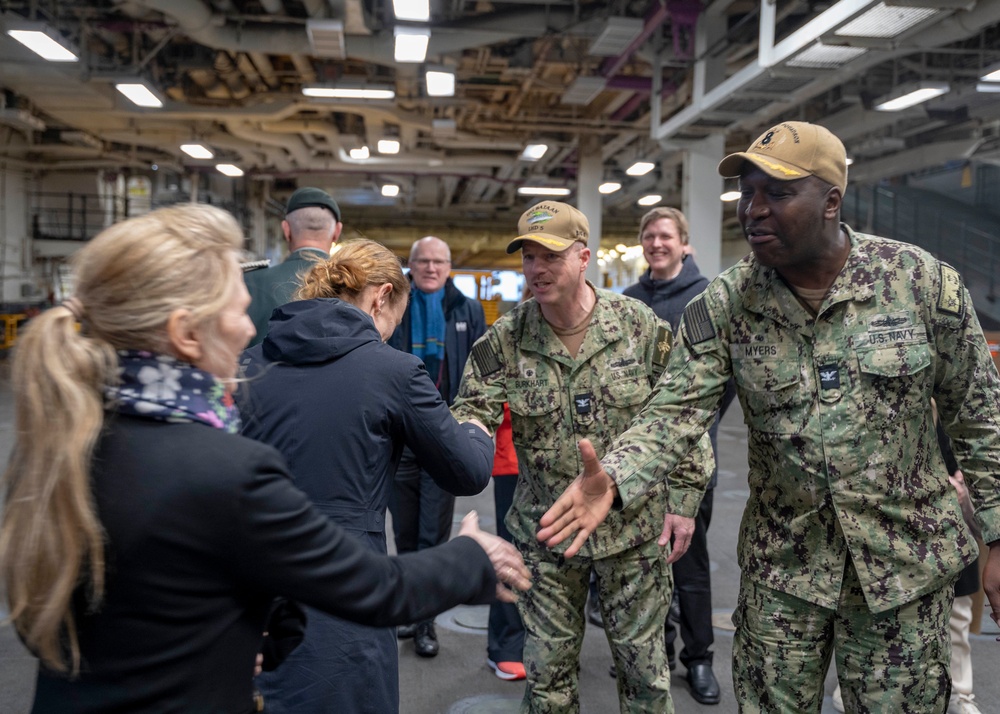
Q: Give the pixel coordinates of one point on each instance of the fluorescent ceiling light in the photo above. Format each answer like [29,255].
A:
[372,92]
[418,10]
[617,33]
[609,187]
[650,200]
[360,154]
[542,191]
[533,152]
[326,38]
[640,168]
[730,196]
[43,40]
[411,43]
[390,190]
[229,170]
[583,90]
[440,84]
[139,94]
[884,21]
[197,151]
[388,146]
[991,73]
[820,56]
[908,95]
[988,87]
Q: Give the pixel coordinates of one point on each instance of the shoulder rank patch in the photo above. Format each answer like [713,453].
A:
[951,297]
[485,357]
[697,323]
[664,343]
[255,265]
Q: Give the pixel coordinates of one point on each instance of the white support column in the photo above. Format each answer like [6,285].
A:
[588,200]
[700,201]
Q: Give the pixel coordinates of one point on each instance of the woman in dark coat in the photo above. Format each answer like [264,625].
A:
[143,542]
[328,348]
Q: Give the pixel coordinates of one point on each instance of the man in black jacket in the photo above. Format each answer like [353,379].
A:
[440,326]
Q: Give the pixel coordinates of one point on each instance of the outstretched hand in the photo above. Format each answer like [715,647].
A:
[507,562]
[582,507]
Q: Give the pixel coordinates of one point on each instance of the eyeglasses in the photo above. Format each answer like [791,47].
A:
[427,263]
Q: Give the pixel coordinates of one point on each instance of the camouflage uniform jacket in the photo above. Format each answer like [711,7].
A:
[556,400]
[842,450]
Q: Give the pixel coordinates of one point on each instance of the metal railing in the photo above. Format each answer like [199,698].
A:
[74,216]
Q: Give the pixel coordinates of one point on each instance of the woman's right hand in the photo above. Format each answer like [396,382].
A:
[507,562]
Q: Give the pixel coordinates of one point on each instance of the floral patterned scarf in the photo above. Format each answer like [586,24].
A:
[160,387]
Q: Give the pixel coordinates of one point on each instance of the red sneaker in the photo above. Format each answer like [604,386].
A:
[507,670]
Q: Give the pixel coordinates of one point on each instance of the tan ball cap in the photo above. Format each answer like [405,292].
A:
[553,224]
[793,150]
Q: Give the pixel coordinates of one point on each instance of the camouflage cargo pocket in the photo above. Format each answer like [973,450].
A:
[773,398]
[894,384]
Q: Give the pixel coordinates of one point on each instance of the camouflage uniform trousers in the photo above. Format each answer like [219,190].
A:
[635,587]
[892,661]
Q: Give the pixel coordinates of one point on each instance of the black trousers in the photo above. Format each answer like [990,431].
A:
[422,512]
[693,588]
[505,633]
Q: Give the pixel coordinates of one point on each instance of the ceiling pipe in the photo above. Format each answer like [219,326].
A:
[263,64]
[294,146]
[197,21]
[633,103]
[914,159]
[307,127]
[960,25]
[250,153]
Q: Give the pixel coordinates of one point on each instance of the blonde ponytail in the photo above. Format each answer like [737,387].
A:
[129,279]
[50,528]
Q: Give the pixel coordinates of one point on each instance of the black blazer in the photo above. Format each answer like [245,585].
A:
[204,529]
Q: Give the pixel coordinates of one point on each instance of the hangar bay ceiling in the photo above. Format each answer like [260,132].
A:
[628,79]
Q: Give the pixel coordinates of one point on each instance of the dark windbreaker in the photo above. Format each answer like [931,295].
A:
[339,404]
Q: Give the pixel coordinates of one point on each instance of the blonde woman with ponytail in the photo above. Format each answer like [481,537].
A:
[143,541]
[339,404]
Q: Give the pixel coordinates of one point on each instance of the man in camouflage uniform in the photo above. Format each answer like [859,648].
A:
[576,362]
[852,536]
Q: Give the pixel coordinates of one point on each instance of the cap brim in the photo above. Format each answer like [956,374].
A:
[732,167]
[550,242]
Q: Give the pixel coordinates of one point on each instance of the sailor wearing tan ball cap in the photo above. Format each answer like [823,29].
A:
[576,362]
[851,539]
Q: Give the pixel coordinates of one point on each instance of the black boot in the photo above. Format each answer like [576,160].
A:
[405,632]
[425,640]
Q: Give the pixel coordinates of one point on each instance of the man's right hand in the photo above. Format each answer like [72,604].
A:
[582,507]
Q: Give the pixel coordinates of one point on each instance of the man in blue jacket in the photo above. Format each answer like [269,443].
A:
[311,227]
[440,326]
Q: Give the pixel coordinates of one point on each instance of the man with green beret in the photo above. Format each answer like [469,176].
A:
[311,227]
